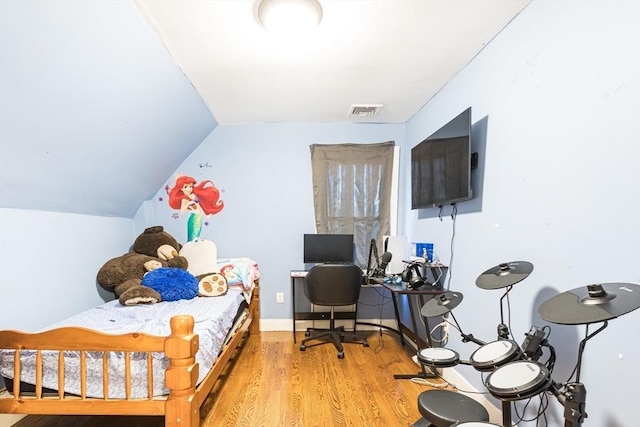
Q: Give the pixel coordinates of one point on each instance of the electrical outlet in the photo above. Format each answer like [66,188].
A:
[280,297]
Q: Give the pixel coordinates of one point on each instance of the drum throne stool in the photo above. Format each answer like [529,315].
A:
[443,408]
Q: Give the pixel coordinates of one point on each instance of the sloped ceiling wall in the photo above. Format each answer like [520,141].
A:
[94,113]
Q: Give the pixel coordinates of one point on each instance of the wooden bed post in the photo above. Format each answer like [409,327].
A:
[181,376]
[255,311]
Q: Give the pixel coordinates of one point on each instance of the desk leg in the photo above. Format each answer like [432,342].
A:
[414,323]
[423,373]
[398,322]
[426,325]
[414,335]
[293,306]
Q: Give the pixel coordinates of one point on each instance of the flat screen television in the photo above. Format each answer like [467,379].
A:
[441,165]
[328,248]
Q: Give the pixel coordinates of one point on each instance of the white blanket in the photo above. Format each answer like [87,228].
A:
[213,318]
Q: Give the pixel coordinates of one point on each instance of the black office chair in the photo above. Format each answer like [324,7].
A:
[333,285]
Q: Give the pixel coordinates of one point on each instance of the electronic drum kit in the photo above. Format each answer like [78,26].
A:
[514,371]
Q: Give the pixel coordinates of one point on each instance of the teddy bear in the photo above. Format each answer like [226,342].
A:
[152,250]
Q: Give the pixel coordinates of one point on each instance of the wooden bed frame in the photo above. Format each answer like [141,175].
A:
[180,408]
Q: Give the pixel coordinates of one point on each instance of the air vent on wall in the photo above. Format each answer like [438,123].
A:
[364,110]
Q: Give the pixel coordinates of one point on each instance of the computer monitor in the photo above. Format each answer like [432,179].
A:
[328,248]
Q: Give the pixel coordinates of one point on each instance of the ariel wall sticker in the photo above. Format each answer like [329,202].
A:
[198,199]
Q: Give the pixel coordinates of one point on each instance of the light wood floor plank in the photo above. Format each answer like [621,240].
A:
[272,383]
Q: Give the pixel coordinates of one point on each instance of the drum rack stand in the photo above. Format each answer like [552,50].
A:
[573,395]
[423,374]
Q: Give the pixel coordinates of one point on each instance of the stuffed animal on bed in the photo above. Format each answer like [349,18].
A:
[171,283]
[202,257]
[212,285]
[152,249]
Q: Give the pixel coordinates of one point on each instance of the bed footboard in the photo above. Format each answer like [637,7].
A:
[181,376]
[181,407]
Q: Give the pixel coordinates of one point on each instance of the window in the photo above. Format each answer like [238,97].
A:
[352,192]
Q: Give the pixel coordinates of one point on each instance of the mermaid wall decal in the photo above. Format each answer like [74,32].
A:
[198,199]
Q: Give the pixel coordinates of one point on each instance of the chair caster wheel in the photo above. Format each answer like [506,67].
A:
[303,347]
[307,334]
[365,343]
[340,355]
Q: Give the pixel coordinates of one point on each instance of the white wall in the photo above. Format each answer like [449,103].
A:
[556,112]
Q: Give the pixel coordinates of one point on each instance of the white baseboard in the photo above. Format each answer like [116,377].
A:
[452,377]
[269,325]
[287,325]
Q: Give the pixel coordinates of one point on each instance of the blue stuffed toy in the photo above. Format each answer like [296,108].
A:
[171,283]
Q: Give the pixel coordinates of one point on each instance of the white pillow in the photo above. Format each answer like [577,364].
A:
[202,256]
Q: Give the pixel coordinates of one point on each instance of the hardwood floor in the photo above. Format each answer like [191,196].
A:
[272,383]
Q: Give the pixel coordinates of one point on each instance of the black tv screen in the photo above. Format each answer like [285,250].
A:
[441,165]
[328,248]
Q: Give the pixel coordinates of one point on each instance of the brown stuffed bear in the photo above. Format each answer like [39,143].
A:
[122,275]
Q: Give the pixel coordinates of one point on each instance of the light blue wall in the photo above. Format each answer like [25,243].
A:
[556,107]
[49,262]
[264,174]
[556,112]
[93,109]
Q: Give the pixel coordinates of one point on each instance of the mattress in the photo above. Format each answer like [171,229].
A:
[213,316]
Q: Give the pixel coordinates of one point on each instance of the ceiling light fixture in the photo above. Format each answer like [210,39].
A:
[288,16]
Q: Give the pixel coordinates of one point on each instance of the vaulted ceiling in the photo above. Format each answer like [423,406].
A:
[100,102]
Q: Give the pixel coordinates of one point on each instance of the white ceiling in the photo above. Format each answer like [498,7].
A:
[398,53]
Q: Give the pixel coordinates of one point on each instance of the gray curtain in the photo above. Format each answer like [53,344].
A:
[352,191]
